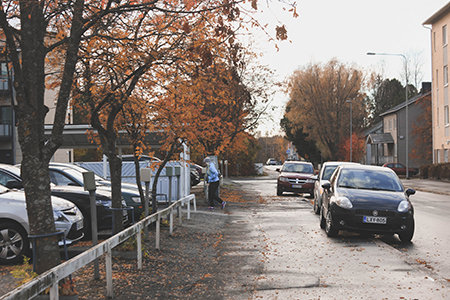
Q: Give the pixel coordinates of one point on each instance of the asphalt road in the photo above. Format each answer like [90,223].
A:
[301,262]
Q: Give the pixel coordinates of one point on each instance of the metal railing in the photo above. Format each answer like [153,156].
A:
[51,278]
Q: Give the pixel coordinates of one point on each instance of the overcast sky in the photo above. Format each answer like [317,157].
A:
[347,30]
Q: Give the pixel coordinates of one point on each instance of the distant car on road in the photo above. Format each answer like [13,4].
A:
[271,162]
[324,175]
[362,198]
[15,229]
[400,169]
[296,177]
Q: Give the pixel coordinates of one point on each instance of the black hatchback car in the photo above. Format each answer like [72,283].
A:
[361,198]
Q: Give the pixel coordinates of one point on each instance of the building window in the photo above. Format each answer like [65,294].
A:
[437,117]
[390,124]
[444,35]
[445,75]
[446,115]
[446,155]
[3,78]
[395,123]
[434,41]
[437,79]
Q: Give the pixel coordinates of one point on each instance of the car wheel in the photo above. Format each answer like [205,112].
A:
[406,236]
[329,228]
[87,225]
[322,218]
[279,192]
[14,243]
[316,206]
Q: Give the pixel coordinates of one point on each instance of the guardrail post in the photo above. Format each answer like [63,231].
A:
[139,249]
[157,230]
[108,267]
[54,291]
[171,221]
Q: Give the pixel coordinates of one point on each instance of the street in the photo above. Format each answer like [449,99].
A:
[300,262]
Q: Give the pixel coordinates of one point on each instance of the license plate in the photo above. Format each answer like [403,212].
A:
[297,186]
[375,220]
[80,225]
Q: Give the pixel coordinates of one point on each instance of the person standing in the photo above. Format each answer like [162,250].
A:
[212,178]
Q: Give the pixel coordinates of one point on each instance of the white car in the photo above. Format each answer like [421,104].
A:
[14,227]
[324,175]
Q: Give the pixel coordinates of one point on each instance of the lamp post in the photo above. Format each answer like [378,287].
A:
[406,105]
[350,101]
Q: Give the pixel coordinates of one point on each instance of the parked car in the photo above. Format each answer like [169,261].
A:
[271,161]
[198,168]
[400,169]
[324,175]
[15,229]
[296,177]
[10,177]
[195,178]
[362,198]
[62,174]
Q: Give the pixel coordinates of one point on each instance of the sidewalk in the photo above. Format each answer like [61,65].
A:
[428,185]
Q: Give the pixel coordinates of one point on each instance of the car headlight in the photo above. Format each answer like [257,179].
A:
[404,206]
[283,179]
[136,199]
[105,203]
[344,202]
[58,216]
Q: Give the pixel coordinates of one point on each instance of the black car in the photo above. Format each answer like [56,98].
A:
[361,198]
[65,174]
[10,177]
[195,178]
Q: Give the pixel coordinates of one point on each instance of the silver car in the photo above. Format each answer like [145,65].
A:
[14,227]
[324,175]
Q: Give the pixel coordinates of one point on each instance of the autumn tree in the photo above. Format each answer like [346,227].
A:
[318,95]
[37,32]
[306,147]
[358,148]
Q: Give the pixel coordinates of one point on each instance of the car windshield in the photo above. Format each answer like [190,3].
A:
[369,179]
[298,168]
[328,171]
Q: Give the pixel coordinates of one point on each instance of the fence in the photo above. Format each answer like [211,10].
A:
[51,278]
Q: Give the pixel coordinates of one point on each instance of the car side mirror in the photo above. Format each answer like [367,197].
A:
[278,170]
[326,185]
[410,192]
[14,184]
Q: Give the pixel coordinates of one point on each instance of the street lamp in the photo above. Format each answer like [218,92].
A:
[406,104]
[350,101]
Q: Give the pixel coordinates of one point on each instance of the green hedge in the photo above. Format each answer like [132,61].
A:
[437,171]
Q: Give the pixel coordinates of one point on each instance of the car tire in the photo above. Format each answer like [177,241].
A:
[279,192]
[406,236]
[316,206]
[329,228]
[14,243]
[322,218]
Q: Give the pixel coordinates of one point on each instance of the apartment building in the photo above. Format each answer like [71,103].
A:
[440,27]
